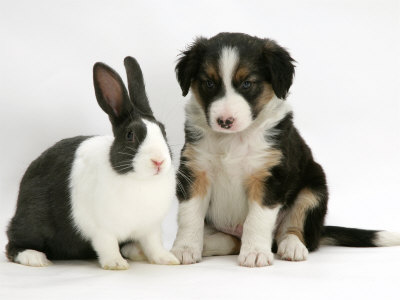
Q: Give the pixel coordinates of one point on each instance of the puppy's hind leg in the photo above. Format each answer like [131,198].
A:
[219,243]
[133,252]
[299,231]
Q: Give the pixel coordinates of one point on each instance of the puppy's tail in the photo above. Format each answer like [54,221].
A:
[353,237]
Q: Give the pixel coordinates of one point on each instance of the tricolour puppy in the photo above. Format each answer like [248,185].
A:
[246,177]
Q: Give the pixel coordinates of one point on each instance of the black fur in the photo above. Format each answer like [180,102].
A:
[350,237]
[297,171]
[189,64]
[42,220]
[184,178]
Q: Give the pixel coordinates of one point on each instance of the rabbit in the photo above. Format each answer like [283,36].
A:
[99,196]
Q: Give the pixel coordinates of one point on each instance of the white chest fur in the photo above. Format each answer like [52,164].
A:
[123,206]
[229,158]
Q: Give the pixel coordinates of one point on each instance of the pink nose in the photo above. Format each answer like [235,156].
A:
[157,163]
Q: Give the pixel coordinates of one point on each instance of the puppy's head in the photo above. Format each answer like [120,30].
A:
[233,76]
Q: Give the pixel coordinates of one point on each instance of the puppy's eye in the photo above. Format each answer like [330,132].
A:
[246,84]
[129,135]
[210,84]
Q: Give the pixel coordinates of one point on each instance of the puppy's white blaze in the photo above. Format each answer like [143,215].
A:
[228,61]
[386,238]
[231,104]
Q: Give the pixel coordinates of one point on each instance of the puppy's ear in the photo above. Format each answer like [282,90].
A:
[280,68]
[189,63]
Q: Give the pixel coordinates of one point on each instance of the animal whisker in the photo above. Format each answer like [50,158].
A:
[185,176]
[126,154]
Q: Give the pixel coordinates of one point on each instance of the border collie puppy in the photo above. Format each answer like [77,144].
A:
[247,181]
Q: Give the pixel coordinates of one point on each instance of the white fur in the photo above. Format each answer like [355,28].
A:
[32,258]
[188,244]
[108,208]
[227,160]
[291,248]
[257,236]
[386,239]
[152,148]
[231,104]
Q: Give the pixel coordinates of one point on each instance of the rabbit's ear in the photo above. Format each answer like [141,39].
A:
[111,93]
[137,90]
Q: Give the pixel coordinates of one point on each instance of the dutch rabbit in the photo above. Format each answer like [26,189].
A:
[99,196]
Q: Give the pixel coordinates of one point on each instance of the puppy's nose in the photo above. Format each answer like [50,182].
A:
[157,163]
[225,123]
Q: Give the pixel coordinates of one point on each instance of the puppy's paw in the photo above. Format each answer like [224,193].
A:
[255,258]
[164,258]
[291,248]
[32,258]
[187,255]
[117,263]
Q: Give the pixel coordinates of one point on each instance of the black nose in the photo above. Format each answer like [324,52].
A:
[225,123]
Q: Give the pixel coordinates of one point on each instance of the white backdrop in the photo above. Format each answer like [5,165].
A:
[345,98]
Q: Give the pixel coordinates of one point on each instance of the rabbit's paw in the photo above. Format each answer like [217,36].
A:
[32,258]
[117,263]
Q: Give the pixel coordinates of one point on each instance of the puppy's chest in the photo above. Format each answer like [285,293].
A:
[228,162]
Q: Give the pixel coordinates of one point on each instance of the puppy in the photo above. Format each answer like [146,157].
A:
[247,181]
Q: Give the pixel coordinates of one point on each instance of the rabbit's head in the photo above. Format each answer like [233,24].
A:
[140,142]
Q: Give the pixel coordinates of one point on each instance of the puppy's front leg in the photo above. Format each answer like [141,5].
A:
[257,235]
[188,244]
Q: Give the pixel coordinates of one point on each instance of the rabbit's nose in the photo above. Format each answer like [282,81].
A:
[157,163]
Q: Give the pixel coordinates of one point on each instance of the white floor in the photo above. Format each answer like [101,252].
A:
[330,273]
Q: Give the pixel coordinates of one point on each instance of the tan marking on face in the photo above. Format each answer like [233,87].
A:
[211,72]
[293,221]
[241,74]
[266,96]
[200,184]
[255,183]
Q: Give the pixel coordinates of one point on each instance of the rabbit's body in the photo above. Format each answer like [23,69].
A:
[122,204]
[43,217]
[85,196]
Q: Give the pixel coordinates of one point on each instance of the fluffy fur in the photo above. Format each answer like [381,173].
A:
[87,196]
[245,170]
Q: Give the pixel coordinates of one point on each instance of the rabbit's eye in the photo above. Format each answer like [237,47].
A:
[129,135]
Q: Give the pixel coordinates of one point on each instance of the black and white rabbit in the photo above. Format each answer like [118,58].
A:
[87,196]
